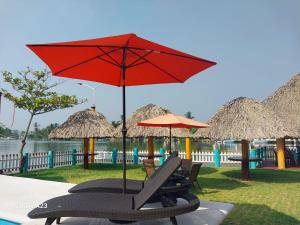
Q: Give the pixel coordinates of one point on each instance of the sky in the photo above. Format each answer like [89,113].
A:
[255,43]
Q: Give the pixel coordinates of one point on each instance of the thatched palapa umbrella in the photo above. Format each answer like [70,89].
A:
[244,119]
[84,125]
[286,103]
[147,112]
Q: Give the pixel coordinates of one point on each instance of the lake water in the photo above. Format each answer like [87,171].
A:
[13,146]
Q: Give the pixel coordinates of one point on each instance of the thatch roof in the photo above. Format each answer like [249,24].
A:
[286,103]
[84,124]
[147,112]
[244,118]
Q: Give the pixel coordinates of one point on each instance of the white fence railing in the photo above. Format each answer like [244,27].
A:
[10,163]
[201,156]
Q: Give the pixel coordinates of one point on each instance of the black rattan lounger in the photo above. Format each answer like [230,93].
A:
[115,185]
[118,207]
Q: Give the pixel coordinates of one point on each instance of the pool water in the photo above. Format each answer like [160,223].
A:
[7,222]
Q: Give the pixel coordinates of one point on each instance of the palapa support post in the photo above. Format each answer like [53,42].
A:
[280,153]
[50,159]
[245,160]
[74,157]
[92,149]
[217,157]
[188,154]
[135,155]
[85,153]
[92,142]
[150,148]
[162,159]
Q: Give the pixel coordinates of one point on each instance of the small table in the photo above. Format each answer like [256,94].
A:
[151,156]
[239,159]
[82,154]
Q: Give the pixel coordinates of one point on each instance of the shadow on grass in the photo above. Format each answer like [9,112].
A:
[219,183]
[103,167]
[207,170]
[74,173]
[268,176]
[250,214]
[43,176]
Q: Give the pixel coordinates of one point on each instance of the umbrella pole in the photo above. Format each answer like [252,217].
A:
[170,144]
[124,129]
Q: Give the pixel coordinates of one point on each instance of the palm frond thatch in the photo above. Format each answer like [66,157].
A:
[244,118]
[286,103]
[147,112]
[84,124]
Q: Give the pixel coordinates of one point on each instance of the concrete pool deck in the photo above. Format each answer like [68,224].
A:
[19,195]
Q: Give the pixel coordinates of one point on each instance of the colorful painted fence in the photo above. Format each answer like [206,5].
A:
[9,163]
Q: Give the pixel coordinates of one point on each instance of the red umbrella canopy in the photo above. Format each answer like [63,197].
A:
[172,121]
[103,60]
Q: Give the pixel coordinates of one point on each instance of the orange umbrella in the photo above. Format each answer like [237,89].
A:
[172,121]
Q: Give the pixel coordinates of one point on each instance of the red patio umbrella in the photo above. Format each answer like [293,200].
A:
[123,60]
[172,121]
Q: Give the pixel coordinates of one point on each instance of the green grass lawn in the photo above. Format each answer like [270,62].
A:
[271,198]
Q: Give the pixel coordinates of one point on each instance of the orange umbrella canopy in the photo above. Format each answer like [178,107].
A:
[172,121]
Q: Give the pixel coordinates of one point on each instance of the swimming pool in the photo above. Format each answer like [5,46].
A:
[7,222]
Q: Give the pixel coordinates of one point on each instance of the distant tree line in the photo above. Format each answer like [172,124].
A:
[8,133]
[41,134]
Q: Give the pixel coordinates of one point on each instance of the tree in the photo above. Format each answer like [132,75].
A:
[8,133]
[116,123]
[189,115]
[31,91]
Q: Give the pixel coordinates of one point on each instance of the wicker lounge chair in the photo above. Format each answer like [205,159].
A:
[194,174]
[186,166]
[118,207]
[149,167]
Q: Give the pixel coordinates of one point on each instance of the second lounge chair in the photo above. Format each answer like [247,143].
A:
[115,185]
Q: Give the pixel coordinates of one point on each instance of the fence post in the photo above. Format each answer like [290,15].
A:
[135,156]
[217,157]
[74,157]
[252,155]
[162,159]
[114,156]
[258,152]
[26,162]
[264,153]
[50,159]
[298,156]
